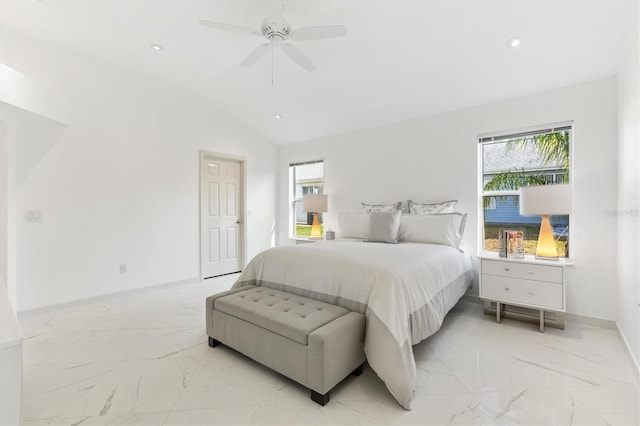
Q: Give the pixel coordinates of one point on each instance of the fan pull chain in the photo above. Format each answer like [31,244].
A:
[272,67]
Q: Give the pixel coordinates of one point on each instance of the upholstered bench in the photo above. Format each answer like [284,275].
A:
[314,343]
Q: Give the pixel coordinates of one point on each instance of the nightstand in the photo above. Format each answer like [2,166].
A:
[528,283]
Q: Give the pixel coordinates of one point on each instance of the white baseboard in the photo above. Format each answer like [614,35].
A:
[101,298]
[632,359]
[596,322]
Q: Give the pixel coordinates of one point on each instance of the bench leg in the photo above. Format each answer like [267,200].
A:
[319,398]
[213,342]
[358,371]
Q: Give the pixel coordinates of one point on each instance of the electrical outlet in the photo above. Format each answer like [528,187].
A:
[123,268]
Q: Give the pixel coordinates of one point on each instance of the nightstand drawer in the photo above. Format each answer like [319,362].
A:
[526,271]
[539,294]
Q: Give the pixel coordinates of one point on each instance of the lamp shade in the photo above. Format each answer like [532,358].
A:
[315,203]
[545,200]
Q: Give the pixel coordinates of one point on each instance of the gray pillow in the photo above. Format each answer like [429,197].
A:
[383,227]
[431,208]
[369,208]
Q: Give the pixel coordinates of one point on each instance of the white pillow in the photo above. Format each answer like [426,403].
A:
[354,225]
[431,208]
[383,227]
[439,228]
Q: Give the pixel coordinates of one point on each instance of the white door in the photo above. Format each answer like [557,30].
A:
[221,186]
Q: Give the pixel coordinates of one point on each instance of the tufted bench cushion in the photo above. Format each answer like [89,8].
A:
[283,313]
[314,343]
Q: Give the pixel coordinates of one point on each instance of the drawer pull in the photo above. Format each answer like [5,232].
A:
[506,269]
[506,289]
[530,272]
[532,292]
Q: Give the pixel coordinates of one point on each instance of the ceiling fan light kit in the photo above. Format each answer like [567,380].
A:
[278,35]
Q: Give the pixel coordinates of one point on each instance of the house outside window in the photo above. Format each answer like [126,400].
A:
[509,161]
[304,178]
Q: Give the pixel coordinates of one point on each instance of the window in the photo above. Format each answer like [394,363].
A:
[304,178]
[510,161]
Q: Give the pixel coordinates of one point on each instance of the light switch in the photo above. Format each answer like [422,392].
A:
[33,216]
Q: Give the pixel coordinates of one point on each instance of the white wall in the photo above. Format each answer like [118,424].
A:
[120,184]
[435,158]
[8,203]
[628,209]
[4,200]
[23,92]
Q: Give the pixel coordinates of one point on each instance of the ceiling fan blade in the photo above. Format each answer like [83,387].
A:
[315,33]
[255,55]
[298,57]
[228,27]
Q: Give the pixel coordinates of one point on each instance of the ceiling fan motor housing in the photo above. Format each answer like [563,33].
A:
[276,32]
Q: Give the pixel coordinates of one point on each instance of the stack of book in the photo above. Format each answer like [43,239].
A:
[511,244]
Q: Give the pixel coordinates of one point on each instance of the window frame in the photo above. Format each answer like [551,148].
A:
[513,134]
[292,194]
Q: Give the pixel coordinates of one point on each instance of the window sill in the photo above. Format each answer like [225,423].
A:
[306,239]
[528,258]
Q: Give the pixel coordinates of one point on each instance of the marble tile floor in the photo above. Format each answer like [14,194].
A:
[143,359]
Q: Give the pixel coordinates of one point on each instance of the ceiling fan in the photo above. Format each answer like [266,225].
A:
[278,33]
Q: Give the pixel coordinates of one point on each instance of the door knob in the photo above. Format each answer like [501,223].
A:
[237,222]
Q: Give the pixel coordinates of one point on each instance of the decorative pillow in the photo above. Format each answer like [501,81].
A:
[368,208]
[354,225]
[383,227]
[431,208]
[439,228]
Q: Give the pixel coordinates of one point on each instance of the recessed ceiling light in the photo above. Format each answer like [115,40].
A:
[156,47]
[514,42]
[277,116]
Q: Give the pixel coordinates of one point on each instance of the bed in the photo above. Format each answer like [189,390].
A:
[404,290]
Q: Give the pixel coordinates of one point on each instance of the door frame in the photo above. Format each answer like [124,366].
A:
[242,211]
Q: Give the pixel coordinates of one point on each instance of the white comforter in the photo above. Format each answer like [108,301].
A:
[404,290]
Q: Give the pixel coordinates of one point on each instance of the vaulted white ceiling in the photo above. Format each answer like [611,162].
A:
[400,59]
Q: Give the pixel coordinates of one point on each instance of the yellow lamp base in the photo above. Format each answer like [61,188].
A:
[546,249]
[315,227]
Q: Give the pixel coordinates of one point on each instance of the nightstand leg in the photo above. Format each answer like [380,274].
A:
[541,321]
[497,311]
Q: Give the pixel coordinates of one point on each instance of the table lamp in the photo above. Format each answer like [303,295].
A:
[315,203]
[545,200]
